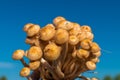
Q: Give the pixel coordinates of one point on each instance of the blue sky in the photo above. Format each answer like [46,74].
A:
[102,15]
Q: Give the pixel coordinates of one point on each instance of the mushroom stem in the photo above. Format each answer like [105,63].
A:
[24,63]
[49,68]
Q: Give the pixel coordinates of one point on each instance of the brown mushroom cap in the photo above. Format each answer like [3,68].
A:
[25,72]
[97,54]
[34,65]
[52,52]
[61,36]
[76,27]
[81,53]
[73,40]
[89,35]
[27,26]
[65,25]
[81,36]
[18,54]
[90,65]
[47,32]
[34,53]
[57,20]
[95,60]
[85,44]
[86,28]
[95,47]
[33,30]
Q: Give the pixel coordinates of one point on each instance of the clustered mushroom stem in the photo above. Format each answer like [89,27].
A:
[24,63]
[58,51]
[48,67]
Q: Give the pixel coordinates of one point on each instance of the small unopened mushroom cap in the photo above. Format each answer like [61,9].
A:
[27,26]
[47,32]
[34,53]
[95,60]
[73,40]
[86,28]
[90,65]
[97,54]
[65,25]
[18,54]
[81,36]
[85,44]
[52,51]
[57,20]
[89,35]
[95,47]
[34,65]
[61,36]
[33,30]
[25,72]
[81,53]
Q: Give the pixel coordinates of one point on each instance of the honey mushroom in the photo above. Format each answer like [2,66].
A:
[57,20]
[18,54]
[67,25]
[94,47]
[82,54]
[25,72]
[34,65]
[27,26]
[47,32]
[31,29]
[85,44]
[61,36]
[95,60]
[90,65]
[73,40]
[34,53]
[52,52]
[61,50]
[97,54]
[86,28]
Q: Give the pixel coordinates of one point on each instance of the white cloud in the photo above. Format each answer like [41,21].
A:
[6,65]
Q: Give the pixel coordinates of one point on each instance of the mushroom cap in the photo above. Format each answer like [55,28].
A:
[57,20]
[90,65]
[61,36]
[95,60]
[25,72]
[27,26]
[73,32]
[34,53]
[34,65]
[97,54]
[52,52]
[18,54]
[85,44]
[81,53]
[81,36]
[76,27]
[86,28]
[47,32]
[89,35]
[33,30]
[95,47]
[67,25]
[73,40]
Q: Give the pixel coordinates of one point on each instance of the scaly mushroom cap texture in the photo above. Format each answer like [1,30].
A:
[34,65]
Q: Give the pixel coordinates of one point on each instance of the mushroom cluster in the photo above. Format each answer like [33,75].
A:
[59,51]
